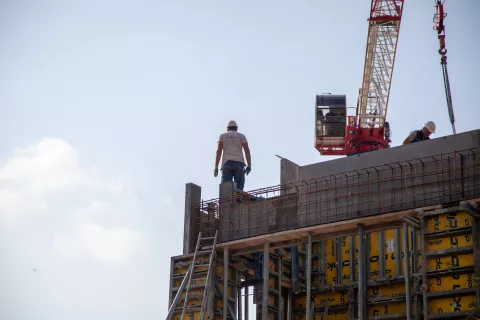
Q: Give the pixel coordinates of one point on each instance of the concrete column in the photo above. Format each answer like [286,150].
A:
[191,228]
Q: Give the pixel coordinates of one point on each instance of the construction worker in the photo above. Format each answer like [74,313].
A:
[420,135]
[233,163]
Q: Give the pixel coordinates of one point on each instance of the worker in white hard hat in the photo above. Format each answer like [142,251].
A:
[231,144]
[420,135]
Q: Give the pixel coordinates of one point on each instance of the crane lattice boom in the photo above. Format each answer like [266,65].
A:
[383,30]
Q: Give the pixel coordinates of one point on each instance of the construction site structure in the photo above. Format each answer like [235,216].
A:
[390,234]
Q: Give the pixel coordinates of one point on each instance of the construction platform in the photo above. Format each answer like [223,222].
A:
[330,240]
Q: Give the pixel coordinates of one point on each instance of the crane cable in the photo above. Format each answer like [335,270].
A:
[440,27]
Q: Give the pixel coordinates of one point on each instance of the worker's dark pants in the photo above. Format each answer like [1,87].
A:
[234,170]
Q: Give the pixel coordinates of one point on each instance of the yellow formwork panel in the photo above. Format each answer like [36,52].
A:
[385,309]
[230,291]
[390,256]
[452,304]
[387,291]
[458,281]
[374,259]
[345,250]
[322,299]
[448,262]
[331,261]
[448,221]
[331,315]
[219,271]
[449,242]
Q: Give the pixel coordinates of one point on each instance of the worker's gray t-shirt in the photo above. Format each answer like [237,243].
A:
[232,146]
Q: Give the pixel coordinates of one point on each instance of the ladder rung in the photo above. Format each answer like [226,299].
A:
[201,265]
[207,238]
[199,279]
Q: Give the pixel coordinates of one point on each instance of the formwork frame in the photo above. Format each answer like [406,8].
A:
[416,294]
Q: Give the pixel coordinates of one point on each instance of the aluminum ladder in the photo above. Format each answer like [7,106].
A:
[196,272]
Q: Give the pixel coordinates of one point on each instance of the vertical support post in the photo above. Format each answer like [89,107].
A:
[235,291]
[321,262]
[424,267]
[266,271]
[476,252]
[366,259]
[281,303]
[361,274]
[381,253]
[416,285]
[352,259]
[246,303]
[406,263]
[289,304]
[225,284]
[398,252]
[239,299]
[309,275]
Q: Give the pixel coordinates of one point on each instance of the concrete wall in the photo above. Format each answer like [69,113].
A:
[461,141]
[364,185]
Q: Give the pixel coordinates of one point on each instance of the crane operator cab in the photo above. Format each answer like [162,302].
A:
[330,124]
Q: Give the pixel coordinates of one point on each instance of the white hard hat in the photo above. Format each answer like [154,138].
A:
[232,123]
[430,125]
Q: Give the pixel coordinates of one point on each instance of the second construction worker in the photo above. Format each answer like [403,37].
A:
[420,135]
[231,144]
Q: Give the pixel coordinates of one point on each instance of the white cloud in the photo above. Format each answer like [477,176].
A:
[109,246]
[46,190]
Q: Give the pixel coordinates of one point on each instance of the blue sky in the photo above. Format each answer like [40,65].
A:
[110,107]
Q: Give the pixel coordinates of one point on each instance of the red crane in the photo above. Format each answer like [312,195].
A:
[340,134]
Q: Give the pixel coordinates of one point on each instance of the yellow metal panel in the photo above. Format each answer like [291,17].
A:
[324,299]
[454,261]
[374,258]
[458,281]
[448,221]
[390,268]
[449,242]
[386,309]
[387,291]
[188,316]
[346,263]
[331,258]
[453,304]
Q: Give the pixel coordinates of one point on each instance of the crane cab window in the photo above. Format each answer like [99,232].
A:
[330,119]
